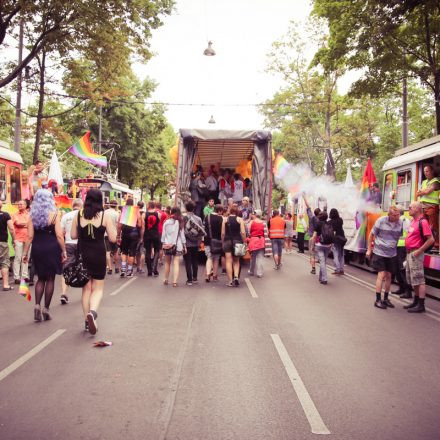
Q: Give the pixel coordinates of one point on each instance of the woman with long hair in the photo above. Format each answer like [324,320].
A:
[173,243]
[89,227]
[339,243]
[48,249]
[257,244]
[233,231]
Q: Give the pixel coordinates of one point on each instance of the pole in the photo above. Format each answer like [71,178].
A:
[404,114]
[100,130]
[17,128]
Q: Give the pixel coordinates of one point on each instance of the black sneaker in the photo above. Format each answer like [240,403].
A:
[156,273]
[64,299]
[323,282]
[236,282]
[122,273]
[388,303]
[116,270]
[313,271]
[189,283]
[129,273]
[149,274]
[109,272]
[195,281]
[91,320]
[380,304]
[140,271]
[16,281]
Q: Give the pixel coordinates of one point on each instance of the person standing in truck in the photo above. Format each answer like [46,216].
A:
[429,197]
[237,188]
[212,185]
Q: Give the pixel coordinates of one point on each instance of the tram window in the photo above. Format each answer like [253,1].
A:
[2,182]
[403,189]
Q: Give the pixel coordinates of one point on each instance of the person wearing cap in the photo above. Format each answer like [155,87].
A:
[112,248]
[245,209]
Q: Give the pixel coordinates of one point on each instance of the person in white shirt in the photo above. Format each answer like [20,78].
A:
[238,188]
[212,185]
[66,226]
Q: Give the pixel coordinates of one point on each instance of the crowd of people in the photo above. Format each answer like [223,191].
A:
[225,229]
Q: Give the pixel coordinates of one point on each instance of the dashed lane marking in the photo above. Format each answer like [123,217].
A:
[251,288]
[31,353]
[317,425]
[120,288]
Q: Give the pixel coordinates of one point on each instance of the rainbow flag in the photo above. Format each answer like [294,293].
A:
[368,178]
[63,203]
[83,149]
[23,290]
[129,215]
[281,167]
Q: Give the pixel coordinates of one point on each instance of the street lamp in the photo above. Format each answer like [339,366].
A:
[209,51]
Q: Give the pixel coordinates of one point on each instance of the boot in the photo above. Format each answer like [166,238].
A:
[420,308]
[413,304]
[407,294]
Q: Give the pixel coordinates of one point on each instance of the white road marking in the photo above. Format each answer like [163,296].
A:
[369,286]
[251,288]
[317,425]
[20,361]
[123,286]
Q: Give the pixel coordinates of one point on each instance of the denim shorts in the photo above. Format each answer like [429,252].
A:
[277,246]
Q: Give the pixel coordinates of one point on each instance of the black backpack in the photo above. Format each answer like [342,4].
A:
[327,234]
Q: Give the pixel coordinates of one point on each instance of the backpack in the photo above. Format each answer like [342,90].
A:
[327,234]
[192,230]
[421,233]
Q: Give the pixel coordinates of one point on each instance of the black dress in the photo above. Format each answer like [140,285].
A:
[46,252]
[92,246]
[232,234]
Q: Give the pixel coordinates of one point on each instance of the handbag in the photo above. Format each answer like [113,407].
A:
[76,274]
[216,244]
[171,249]
[340,240]
[240,249]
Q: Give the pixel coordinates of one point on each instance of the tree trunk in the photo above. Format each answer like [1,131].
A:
[152,191]
[38,130]
[329,162]
[437,101]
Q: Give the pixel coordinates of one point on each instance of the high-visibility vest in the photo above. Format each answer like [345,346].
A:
[401,242]
[277,225]
[299,226]
[433,197]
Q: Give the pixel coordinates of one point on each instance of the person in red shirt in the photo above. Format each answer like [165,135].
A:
[163,216]
[20,221]
[419,239]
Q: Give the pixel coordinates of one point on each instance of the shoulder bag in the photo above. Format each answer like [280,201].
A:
[76,274]
[239,249]
[171,249]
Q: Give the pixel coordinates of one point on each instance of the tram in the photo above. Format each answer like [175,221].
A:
[11,165]
[403,176]
[110,188]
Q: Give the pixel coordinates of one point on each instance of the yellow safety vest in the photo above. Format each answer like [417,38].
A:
[401,242]
[433,197]
[299,226]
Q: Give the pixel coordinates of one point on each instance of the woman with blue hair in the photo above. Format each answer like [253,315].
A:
[48,249]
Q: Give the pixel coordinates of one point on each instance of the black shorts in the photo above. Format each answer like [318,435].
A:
[384,264]
[110,247]
[129,245]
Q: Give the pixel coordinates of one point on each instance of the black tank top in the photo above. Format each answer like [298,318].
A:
[232,229]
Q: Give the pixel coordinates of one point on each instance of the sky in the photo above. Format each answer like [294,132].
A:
[242,32]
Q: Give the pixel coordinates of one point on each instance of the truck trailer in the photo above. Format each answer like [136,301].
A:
[226,149]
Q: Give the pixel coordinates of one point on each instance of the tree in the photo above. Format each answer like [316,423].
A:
[106,33]
[385,39]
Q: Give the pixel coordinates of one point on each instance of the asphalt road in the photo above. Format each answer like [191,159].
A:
[282,357]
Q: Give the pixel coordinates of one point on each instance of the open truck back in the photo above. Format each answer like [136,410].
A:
[226,149]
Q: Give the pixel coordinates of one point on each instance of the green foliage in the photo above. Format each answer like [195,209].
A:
[7,117]
[309,114]
[386,39]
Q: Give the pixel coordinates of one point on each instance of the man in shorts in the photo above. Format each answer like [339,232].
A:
[5,260]
[385,235]
[112,248]
[277,226]
[66,226]
[140,259]
[418,240]
[313,224]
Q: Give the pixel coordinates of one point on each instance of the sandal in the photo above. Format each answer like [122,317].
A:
[165,282]
[174,284]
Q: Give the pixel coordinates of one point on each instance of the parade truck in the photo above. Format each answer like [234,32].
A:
[233,149]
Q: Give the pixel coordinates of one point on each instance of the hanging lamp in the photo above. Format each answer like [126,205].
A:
[211,120]
[209,51]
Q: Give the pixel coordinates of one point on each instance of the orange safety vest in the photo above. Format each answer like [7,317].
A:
[277,225]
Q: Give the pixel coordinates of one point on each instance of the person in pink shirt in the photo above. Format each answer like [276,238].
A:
[419,239]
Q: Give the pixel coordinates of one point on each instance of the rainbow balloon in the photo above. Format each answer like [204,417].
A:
[83,149]
[129,215]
